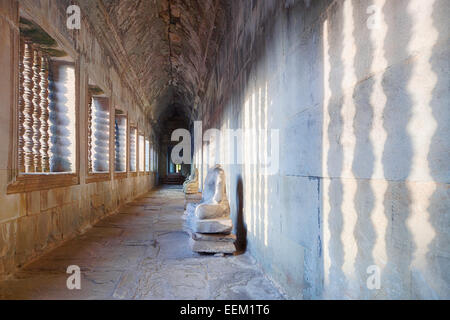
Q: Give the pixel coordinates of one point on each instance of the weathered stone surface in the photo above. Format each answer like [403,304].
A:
[214,237]
[214,202]
[126,256]
[43,218]
[190,208]
[8,233]
[194,198]
[210,222]
[190,186]
[166,46]
[362,177]
[220,225]
[212,246]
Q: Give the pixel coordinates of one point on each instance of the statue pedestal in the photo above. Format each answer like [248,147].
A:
[210,235]
[218,225]
[212,243]
[203,246]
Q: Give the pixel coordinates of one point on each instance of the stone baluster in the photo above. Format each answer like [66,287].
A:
[37,111]
[89,124]
[28,106]
[123,145]
[100,142]
[62,125]
[117,145]
[147,155]
[132,149]
[45,136]
[141,153]
[21,104]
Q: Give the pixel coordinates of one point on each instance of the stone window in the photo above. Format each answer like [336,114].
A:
[46,112]
[141,153]
[133,149]
[120,138]
[152,165]
[156,159]
[98,131]
[147,155]
[153,159]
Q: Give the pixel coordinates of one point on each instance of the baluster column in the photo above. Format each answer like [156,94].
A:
[36,111]
[100,138]
[21,131]
[45,136]
[89,124]
[28,106]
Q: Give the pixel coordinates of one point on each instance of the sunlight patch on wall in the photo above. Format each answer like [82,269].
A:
[266,158]
[422,125]
[348,141]
[247,172]
[326,148]
[378,137]
[423,80]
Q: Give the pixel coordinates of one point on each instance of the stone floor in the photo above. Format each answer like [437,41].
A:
[140,253]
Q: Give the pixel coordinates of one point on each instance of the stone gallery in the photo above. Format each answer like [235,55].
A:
[224,150]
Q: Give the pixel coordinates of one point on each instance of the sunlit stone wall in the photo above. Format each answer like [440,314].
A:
[359,93]
[34,222]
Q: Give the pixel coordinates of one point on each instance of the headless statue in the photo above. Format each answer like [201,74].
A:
[191,184]
[214,202]
[209,222]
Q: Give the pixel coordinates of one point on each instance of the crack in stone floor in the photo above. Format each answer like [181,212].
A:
[140,253]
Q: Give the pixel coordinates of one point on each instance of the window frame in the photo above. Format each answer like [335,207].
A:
[92,177]
[141,172]
[19,182]
[131,127]
[151,156]
[119,174]
[147,154]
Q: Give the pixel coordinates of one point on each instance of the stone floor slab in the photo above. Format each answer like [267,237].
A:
[140,253]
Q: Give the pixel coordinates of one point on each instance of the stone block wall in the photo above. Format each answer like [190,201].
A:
[33,222]
[361,105]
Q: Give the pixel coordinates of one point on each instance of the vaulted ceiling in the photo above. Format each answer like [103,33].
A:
[166,46]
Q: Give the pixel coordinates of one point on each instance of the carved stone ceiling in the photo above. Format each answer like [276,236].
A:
[166,46]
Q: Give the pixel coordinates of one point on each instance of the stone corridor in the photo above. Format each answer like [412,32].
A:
[316,134]
[140,253]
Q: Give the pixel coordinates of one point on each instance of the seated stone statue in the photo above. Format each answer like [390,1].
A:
[208,222]
[214,203]
[191,184]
